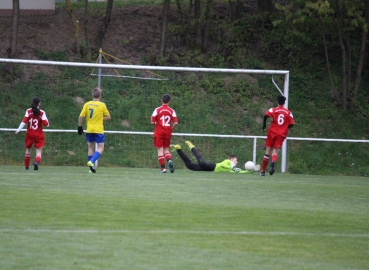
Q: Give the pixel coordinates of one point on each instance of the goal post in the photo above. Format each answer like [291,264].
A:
[171,70]
[284,145]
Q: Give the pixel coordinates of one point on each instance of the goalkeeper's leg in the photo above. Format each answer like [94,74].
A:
[206,166]
[189,164]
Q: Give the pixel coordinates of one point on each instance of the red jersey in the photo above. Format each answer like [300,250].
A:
[163,117]
[34,128]
[282,118]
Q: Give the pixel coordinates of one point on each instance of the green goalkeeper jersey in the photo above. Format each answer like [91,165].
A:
[227,166]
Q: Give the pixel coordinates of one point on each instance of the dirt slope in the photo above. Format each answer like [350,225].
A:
[132,32]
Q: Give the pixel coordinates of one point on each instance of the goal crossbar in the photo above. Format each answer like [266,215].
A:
[139,67]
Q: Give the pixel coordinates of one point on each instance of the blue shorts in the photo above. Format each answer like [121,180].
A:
[94,137]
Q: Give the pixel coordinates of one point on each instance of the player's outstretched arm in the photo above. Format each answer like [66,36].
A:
[21,126]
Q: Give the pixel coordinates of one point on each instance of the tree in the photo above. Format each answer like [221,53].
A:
[362,53]
[340,25]
[198,35]
[164,26]
[195,22]
[86,44]
[265,6]
[235,9]
[12,50]
[207,24]
[105,23]
[179,10]
[202,25]
[75,25]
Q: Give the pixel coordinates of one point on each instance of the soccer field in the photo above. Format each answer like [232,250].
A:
[120,218]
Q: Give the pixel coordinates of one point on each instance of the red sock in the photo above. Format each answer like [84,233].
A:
[274,158]
[27,158]
[264,164]
[38,159]
[168,156]
[161,161]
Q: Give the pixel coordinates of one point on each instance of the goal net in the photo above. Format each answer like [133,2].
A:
[219,110]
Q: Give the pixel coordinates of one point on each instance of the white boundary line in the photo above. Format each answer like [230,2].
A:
[364,235]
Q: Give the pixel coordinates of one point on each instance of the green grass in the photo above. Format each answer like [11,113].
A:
[119,218]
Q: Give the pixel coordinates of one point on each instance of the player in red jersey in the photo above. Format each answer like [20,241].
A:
[35,118]
[282,120]
[165,120]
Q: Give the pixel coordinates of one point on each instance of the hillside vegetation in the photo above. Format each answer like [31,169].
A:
[205,103]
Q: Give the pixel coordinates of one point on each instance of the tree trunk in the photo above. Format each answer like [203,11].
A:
[190,5]
[265,5]
[349,66]
[179,10]
[343,55]
[198,35]
[12,50]
[333,87]
[75,24]
[207,24]
[87,45]
[362,54]
[231,8]
[164,26]
[235,9]
[104,26]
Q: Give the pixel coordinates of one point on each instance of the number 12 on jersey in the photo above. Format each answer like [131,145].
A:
[165,120]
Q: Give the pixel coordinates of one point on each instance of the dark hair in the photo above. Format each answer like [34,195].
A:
[281,99]
[232,156]
[165,98]
[35,102]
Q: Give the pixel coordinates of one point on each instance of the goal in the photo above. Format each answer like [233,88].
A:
[219,110]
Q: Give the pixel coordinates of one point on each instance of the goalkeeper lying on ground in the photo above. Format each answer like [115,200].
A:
[227,165]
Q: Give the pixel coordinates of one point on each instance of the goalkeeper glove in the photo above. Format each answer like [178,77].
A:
[257,168]
[236,170]
[80,130]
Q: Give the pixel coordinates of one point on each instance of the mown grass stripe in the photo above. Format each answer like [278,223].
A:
[185,232]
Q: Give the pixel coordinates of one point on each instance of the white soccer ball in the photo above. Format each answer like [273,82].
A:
[249,165]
